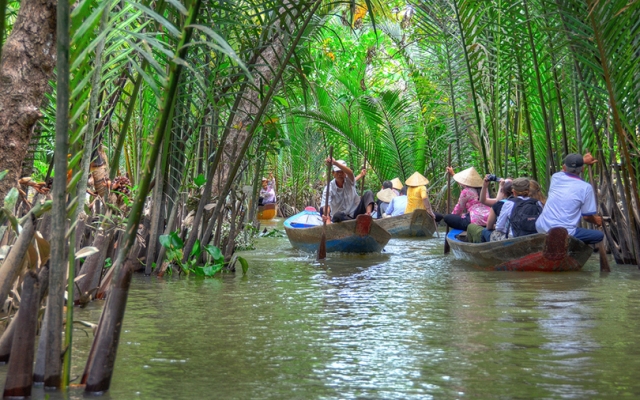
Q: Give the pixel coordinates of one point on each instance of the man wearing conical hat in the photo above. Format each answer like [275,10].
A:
[344,202]
[469,209]
[417,198]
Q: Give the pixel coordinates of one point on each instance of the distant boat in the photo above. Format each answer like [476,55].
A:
[550,252]
[267,211]
[361,235]
[416,224]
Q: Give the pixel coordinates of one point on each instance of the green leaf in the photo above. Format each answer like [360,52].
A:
[11,199]
[198,271]
[245,265]
[195,252]
[200,180]
[176,242]
[3,174]
[165,241]
[211,270]
[215,253]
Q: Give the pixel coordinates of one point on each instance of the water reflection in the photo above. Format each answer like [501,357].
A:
[406,324]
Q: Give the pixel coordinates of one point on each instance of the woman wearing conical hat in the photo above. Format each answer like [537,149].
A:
[469,209]
[417,198]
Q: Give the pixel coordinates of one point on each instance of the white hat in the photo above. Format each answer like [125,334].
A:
[386,195]
[396,183]
[469,177]
[417,180]
[336,168]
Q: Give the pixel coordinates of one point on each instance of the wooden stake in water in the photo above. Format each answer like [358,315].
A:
[604,262]
[322,249]
[447,249]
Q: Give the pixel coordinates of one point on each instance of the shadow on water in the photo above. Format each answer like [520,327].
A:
[410,323]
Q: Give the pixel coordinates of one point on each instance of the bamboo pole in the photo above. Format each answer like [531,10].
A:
[20,372]
[58,264]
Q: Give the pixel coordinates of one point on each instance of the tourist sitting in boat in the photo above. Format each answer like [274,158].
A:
[267,191]
[484,192]
[396,186]
[384,198]
[417,198]
[469,210]
[398,204]
[344,202]
[519,214]
[535,192]
[569,199]
[505,192]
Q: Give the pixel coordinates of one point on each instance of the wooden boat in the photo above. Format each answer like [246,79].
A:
[416,224]
[550,252]
[360,235]
[267,211]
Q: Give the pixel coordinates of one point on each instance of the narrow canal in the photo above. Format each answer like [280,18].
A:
[407,324]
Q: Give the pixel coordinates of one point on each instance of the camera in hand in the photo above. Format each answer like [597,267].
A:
[493,178]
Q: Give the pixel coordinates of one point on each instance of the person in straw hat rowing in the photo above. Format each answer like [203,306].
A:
[344,202]
[417,198]
[469,209]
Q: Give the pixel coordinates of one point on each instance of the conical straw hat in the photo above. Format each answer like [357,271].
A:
[469,177]
[417,180]
[386,195]
[396,184]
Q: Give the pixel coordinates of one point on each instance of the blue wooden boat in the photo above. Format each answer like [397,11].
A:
[360,235]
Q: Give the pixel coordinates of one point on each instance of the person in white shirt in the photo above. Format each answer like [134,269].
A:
[569,199]
[398,204]
[344,202]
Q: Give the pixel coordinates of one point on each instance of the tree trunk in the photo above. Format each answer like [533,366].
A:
[28,58]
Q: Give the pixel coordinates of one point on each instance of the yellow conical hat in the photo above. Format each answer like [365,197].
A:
[386,195]
[469,177]
[396,184]
[417,180]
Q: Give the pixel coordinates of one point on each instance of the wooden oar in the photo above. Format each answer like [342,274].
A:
[447,249]
[322,249]
[604,262]
[362,180]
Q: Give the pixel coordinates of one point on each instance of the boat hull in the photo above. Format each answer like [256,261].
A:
[551,252]
[361,235]
[267,211]
[416,224]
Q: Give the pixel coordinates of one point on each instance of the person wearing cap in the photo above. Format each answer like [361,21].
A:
[521,190]
[571,198]
[344,202]
[469,209]
[398,205]
[417,198]
[267,191]
[384,198]
[396,185]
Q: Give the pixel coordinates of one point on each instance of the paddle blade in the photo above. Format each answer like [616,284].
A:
[604,262]
[447,249]
[322,249]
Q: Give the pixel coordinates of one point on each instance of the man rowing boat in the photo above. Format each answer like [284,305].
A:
[570,198]
[344,202]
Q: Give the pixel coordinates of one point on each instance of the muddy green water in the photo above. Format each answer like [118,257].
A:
[407,324]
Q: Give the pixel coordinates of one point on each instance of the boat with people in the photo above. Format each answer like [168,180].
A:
[551,252]
[360,235]
[416,224]
[267,211]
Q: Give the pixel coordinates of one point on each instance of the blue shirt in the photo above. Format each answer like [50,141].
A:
[397,206]
[570,198]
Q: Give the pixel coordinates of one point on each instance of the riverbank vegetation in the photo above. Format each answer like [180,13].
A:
[140,142]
